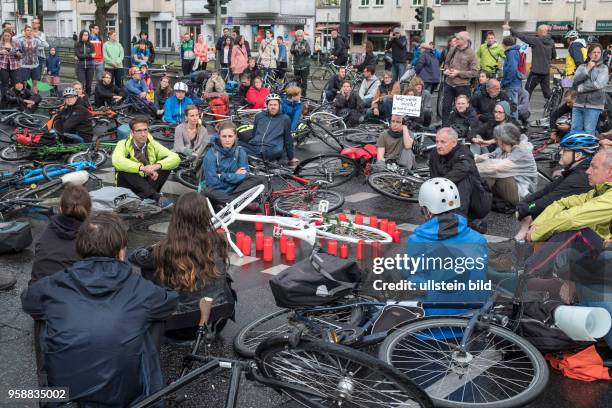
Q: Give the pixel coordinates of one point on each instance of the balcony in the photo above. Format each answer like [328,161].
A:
[481,11]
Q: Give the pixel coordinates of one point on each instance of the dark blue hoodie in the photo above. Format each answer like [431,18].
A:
[220,166]
[95,340]
[53,64]
[512,77]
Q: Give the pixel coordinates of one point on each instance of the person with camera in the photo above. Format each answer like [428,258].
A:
[397,44]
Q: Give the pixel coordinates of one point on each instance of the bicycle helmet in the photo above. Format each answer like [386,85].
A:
[273,97]
[181,86]
[584,143]
[133,71]
[571,34]
[69,92]
[439,195]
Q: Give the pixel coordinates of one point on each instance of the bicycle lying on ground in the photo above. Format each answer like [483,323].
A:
[313,373]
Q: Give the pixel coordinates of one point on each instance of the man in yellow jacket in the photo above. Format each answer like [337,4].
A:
[142,164]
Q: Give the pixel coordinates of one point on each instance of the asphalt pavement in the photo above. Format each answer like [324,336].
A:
[251,276]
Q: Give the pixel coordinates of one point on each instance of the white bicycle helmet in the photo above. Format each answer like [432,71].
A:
[273,97]
[439,195]
[181,86]
[572,34]
[69,92]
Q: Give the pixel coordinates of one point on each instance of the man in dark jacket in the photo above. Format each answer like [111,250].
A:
[339,50]
[73,121]
[542,53]
[21,97]
[220,42]
[333,84]
[271,133]
[397,44]
[455,162]
[300,49]
[484,104]
[102,310]
[557,131]
[428,67]
[106,92]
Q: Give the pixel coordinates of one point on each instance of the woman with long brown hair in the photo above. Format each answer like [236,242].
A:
[193,258]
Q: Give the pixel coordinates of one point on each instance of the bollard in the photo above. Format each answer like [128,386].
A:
[343,251]
[259,225]
[332,247]
[246,245]
[290,251]
[360,249]
[239,239]
[283,243]
[267,249]
[259,241]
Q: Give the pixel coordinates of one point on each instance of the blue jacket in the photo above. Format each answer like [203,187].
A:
[448,236]
[96,342]
[174,110]
[510,69]
[416,54]
[437,53]
[53,64]
[293,110]
[136,87]
[428,67]
[272,132]
[282,53]
[220,166]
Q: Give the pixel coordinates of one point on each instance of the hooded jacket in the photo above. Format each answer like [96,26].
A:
[448,236]
[463,122]
[124,158]
[103,94]
[542,51]
[428,67]
[220,166]
[75,119]
[257,97]
[174,110]
[512,79]
[271,133]
[484,105]
[95,341]
[292,109]
[576,55]
[591,86]
[488,57]
[55,249]
[572,181]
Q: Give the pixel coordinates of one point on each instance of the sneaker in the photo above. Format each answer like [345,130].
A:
[7,280]
[164,204]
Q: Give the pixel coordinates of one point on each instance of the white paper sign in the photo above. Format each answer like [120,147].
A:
[406,105]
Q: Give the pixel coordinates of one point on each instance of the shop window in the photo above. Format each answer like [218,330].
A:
[358,38]
[163,34]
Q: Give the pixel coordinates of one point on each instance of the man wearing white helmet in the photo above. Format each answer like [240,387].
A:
[446,235]
[174,108]
[73,121]
[576,52]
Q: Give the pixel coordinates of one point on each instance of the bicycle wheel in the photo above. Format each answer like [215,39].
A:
[335,376]
[47,168]
[307,200]
[358,138]
[396,186]
[499,369]
[13,152]
[286,321]
[98,157]
[51,103]
[335,169]
[187,177]
[31,121]
[162,133]
[326,134]
[348,231]
[318,77]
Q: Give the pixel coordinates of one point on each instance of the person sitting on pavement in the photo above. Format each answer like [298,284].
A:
[145,75]
[83,99]
[446,233]
[136,86]
[105,354]
[510,170]
[73,121]
[162,93]
[332,87]
[395,144]
[383,100]
[271,133]
[252,69]
[215,84]
[417,86]
[190,137]
[576,152]
[463,117]
[142,164]
[21,97]
[106,92]
[557,131]
[348,104]
[482,137]
[481,88]
[485,103]
[193,260]
[240,96]
[454,161]
[174,108]
[369,86]
[292,105]
[226,168]
[257,94]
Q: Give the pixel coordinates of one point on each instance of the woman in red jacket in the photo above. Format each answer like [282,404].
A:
[256,95]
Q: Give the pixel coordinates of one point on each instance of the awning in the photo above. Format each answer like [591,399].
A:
[190,21]
[327,27]
[357,28]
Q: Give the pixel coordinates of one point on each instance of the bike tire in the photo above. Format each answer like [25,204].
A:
[50,103]
[336,375]
[307,200]
[440,102]
[279,323]
[162,133]
[396,186]
[31,121]
[318,77]
[325,167]
[13,152]
[187,177]
[327,136]
[347,231]
[395,350]
[98,157]
[47,167]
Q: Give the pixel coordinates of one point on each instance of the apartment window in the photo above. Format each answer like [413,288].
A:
[163,34]
[365,3]
[398,3]
[417,3]
[437,2]
[358,39]
[111,24]
[545,1]
[380,2]
[484,1]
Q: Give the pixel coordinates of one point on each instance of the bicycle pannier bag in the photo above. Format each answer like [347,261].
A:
[315,281]
[14,236]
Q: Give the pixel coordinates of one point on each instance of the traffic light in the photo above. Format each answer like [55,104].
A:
[430,15]
[579,23]
[419,14]
[212,4]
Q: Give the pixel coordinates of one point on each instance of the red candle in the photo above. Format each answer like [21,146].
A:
[384,224]
[267,249]
[373,221]
[259,241]
[259,225]
[267,208]
[246,245]
[342,217]
[239,239]
[358,219]
[397,235]
[376,249]
[360,249]
[332,247]
[290,251]
[344,251]
[283,243]
[392,226]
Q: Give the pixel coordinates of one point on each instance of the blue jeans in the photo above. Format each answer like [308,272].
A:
[259,151]
[398,69]
[73,137]
[585,119]
[367,101]
[513,94]
[595,296]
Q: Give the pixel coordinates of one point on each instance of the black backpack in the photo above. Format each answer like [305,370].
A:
[315,281]
[15,236]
